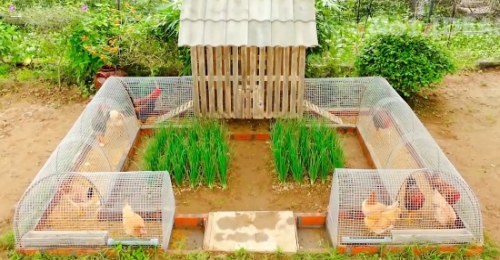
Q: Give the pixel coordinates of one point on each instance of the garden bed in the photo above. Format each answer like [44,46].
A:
[252,179]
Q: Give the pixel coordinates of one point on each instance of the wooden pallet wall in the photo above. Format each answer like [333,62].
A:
[248,82]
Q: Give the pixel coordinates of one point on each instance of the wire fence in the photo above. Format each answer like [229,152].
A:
[101,139]
[402,207]
[96,209]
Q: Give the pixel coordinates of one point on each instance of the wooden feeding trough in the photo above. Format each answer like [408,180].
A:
[248,57]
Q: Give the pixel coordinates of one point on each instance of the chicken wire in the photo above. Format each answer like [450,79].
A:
[80,150]
[421,221]
[405,143]
[173,103]
[65,204]
[339,96]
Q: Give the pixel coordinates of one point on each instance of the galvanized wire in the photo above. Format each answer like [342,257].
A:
[401,147]
[175,92]
[351,187]
[62,202]
[81,142]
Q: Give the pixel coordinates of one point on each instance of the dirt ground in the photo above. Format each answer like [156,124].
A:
[253,183]
[462,115]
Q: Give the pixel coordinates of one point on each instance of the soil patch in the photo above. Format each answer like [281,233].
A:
[253,182]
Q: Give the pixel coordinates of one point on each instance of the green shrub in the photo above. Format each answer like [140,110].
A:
[408,62]
[166,30]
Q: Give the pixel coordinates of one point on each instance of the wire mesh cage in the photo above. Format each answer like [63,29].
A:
[159,99]
[99,138]
[394,135]
[96,209]
[396,206]
[338,96]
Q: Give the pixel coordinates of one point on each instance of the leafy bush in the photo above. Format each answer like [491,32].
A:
[91,43]
[149,45]
[167,30]
[409,62]
[9,40]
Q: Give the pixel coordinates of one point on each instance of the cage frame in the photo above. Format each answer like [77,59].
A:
[313,87]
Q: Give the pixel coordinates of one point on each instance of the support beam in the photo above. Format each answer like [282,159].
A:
[181,109]
[312,107]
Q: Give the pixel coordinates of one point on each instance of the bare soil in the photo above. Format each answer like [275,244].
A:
[462,115]
[253,183]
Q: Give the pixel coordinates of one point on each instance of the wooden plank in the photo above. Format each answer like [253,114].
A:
[293,87]
[248,104]
[202,77]
[227,73]
[196,83]
[266,78]
[261,84]
[241,102]
[270,82]
[64,238]
[302,74]
[277,83]
[236,85]
[219,85]
[286,74]
[211,83]
[253,86]
[172,113]
[244,78]
[312,107]
[244,68]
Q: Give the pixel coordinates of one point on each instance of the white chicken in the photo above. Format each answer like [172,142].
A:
[443,211]
[116,121]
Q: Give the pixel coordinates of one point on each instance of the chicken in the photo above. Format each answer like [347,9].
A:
[381,120]
[144,107]
[449,192]
[371,204]
[83,200]
[99,123]
[117,121]
[133,224]
[379,222]
[414,198]
[443,211]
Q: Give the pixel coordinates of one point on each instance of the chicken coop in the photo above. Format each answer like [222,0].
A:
[89,209]
[248,57]
[401,207]
[80,193]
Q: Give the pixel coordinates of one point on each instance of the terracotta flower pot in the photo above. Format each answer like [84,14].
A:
[104,73]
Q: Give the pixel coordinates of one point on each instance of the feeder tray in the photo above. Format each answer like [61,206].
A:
[366,240]
[438,236]
[133,242]
[64,238]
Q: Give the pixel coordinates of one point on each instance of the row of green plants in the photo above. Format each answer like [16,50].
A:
[68,43]
[304,148]
[198,154]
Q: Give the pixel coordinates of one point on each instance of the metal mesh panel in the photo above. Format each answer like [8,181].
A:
[80,150]
[339,96]
[174,93]
[402,141]
[59,207]
[434,207]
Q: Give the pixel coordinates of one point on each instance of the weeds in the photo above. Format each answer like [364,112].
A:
[126,253]
[299,148]
[196,154]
